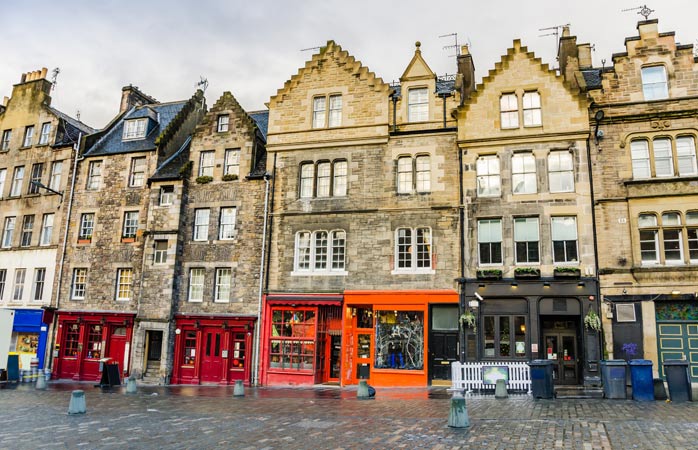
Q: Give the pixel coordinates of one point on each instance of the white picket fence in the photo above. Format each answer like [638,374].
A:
[468,376]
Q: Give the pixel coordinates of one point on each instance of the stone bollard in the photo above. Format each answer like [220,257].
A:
[41,381]
[458,415]
[239,389]
[500,391]
[362,392]
[77,403]
[131,387]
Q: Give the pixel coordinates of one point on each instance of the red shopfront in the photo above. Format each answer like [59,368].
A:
[212,349]
[301,339]
[84,338]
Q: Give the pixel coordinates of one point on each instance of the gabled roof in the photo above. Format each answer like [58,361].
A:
[69,129]
[261,118]
[112,142]
[417,68]
[344,59]
[171,168]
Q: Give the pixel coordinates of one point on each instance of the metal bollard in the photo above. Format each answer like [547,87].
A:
[362,391]
[77,403]
[41,382]
[458,414]
[239,389]
[131,387]
[500,391]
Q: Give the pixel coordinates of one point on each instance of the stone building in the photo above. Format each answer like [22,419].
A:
[219,230]
[530,269]
[37,151]
[364,223]
[645,177]
[104,310]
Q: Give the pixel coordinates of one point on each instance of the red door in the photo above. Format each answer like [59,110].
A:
[212,360]
[117,348]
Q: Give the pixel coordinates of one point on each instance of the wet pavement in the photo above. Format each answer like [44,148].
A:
[209,417]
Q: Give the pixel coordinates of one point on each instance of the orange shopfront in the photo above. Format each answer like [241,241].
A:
[386,335]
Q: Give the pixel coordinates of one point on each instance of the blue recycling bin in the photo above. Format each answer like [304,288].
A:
[542,378]
[613,374]
[641,379]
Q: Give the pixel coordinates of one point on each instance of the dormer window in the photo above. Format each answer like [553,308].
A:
[135,129]
[418,105]
[654,83]
[223,123]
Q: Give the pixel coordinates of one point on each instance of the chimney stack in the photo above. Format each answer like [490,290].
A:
[131,96]
[466,73]
[568,56]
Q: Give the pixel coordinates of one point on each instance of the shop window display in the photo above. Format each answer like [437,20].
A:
[504,336]
[94,342]
[190,348]
[399,340]
[25,344]
[239,351]
[293,339]
[72,338]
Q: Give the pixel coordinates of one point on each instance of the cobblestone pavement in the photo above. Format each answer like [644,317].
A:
[331,418]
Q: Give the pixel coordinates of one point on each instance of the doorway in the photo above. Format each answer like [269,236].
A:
[117,347]
[443,341]
[212,360]
[561,348]
[153,352]
[333,357]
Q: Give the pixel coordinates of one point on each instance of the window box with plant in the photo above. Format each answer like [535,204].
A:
[230,177]
[527,272]
[567,272]
[85,239]
[204,179]
[489,274]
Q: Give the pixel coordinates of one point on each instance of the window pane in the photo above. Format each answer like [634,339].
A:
[335,118]
[398,340]
[321,250]
[423,168]
[340,179]
[640,154]
[504,336]
[488,181]
[532,109]
[648,245]
[671,219]
[509,111]
[319,112]
[338,249]
[306,188]
[303,251]
[654,83]
[523,174]
[418,105]
[672,246]
[404,248]
[404,175]
[323,179]
[423,247]
[663,163]
[686,156]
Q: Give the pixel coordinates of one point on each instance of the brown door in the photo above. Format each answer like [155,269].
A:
[561,348]
[212,360]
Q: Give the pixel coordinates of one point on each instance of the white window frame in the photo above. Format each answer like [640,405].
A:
[17,181]
[130,227]
[640,158]
[18,285]
[207,161]
[488,171]
[202,217]
[6,138]
[94,176]
[28,136]
[532,116]
[45,132]
[520,236]
[87,224]
[485,236]
[686,156]
[692,236]
[226,223]
[561,171]
[124,284]
[418,104]
[223,285]
[3,177]
[677,241]
[36,175]
[555,237]
[27,231]
[223,123]
[320,252]
[323,180]
[404,175]
[339,178]
[134,129]
[197,279]
[55,178]
[8,231]
[3,282]
[167,194]
[334,118]
[663,157]
[39,283]
[46,229]
[413,250]
[78,286]
[655,85]
[306,180]
[160,254]
[138,169]
[523,173]
[319,111]
[232,162]
[509,111]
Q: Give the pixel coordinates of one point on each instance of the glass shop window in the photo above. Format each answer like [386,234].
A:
[292,340]
[190,348]
[238,350]
[399,340]
[72,337]
[94,342]
[504,337]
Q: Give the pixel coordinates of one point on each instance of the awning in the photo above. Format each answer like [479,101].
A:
[305,299]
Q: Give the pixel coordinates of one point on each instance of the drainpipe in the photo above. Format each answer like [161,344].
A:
[461,279]
[271,223]
[76,148]
[258,331]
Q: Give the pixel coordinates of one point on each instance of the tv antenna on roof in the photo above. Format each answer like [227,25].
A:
[455,44]
[202,84]
[554,31]
[641,10]
[310,48]
[54,77]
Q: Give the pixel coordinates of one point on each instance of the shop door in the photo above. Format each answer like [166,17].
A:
[212,360]
[363,355]
[334,352]
[443,341]
[678,341]
[117,347]
[154,345]
[561,348]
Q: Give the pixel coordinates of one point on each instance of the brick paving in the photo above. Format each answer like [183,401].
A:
[331,418]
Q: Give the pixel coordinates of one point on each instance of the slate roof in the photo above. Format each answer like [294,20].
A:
[169,170]
[261,118]
[112,143]
[592,78]
[69,129]
[442,87]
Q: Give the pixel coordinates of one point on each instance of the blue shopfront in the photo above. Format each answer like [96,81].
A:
[29,335]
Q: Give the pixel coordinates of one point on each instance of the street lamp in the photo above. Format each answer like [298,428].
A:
[42,186]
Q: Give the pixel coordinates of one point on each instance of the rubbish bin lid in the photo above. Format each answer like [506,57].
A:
[640,362]
[613,362]
[676,362]
[540,362]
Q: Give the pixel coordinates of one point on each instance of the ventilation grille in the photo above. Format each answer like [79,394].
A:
[560,304]
[625,312]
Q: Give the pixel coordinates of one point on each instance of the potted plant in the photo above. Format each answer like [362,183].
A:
[567,272]
[230,177]
[467,319]
[592,321]
[489,274]
[526,272]
[204,179]
[84,239]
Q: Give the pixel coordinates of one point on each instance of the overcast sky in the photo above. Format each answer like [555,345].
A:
[252,47]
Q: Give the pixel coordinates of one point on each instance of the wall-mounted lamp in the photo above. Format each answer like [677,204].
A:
[546,284]
[481,285]
[514,284]
[580,284]
[675,292]
[598,134]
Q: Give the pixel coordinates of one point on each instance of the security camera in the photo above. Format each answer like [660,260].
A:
[479,297]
